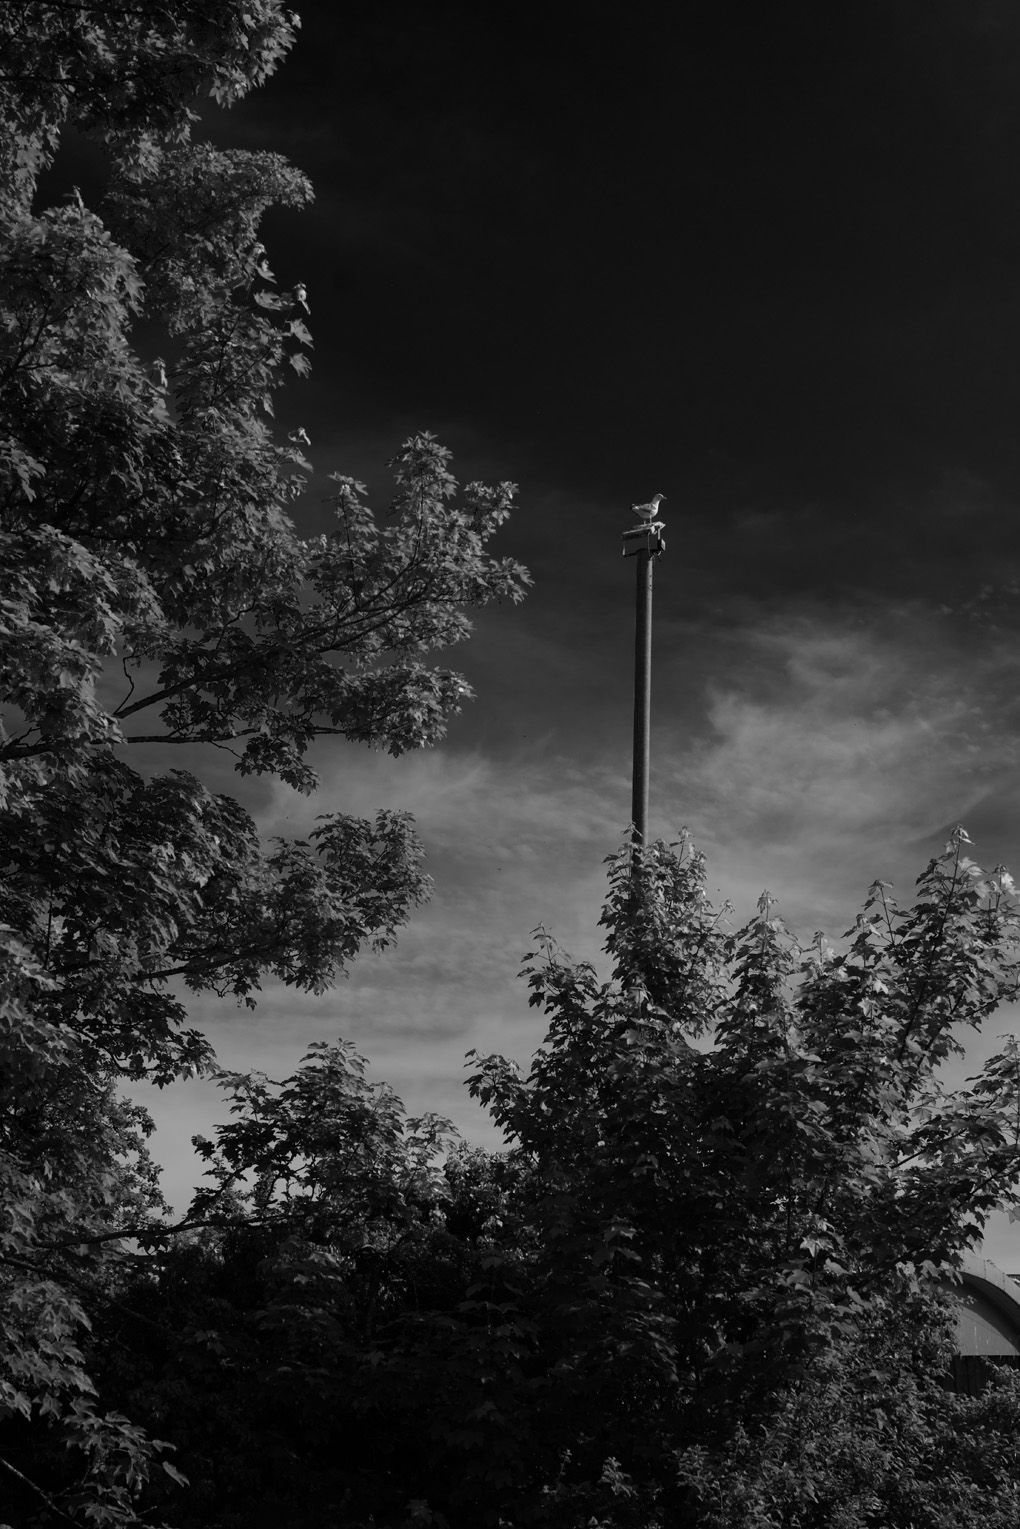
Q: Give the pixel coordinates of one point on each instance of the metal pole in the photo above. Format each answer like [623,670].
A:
[644,542]
[642,695]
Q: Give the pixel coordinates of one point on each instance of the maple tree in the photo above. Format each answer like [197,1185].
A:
[156,590]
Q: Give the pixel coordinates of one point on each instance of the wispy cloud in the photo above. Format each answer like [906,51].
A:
[842,754]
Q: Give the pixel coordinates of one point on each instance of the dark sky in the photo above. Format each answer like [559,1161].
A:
[769,253]
[764,259]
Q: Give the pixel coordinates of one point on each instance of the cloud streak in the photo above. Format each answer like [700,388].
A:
[842,753]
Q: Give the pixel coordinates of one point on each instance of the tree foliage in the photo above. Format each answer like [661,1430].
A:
[706,1284]
[156,590]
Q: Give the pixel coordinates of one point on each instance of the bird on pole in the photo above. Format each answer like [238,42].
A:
[649,511]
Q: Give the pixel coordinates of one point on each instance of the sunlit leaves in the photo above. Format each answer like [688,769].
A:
[126,71]
[155,589]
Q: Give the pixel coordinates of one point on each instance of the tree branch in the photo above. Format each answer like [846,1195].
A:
[26,1481]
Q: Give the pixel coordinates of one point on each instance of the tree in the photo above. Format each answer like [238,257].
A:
[744,1239]
[705,1285]
[320,1344]
[155,589]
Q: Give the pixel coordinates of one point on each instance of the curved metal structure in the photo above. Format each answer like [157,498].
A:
[988,1319]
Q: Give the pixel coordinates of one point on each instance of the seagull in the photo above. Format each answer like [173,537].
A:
[649,511]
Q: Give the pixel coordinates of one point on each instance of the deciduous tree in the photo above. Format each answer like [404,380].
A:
[156,590]
[730,1223]
[707,1283]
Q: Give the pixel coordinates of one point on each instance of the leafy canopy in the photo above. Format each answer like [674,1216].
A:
[156,591]
[705,1285]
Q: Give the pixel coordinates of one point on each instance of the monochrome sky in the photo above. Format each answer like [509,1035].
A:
[763,259]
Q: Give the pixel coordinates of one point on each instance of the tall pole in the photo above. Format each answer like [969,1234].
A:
[645,543]
[642,695]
